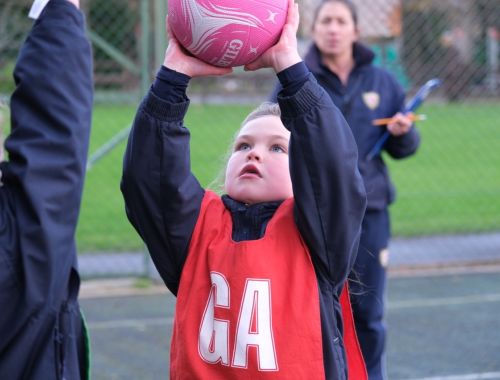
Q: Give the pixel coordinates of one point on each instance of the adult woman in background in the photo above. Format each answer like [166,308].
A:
[363,92]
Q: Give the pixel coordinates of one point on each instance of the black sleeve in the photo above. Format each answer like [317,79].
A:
[47,149]
[273,97]
[162,196]
[405,145]
[290,81]
[328,189]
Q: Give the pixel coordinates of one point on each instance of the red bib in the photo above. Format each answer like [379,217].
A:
[249,309]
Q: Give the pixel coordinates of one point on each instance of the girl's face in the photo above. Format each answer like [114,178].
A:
[334,30]
[258,170]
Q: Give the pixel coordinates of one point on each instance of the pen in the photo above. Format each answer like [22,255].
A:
[388,120]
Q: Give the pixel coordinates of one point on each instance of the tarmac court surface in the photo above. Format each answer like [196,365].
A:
[441,326]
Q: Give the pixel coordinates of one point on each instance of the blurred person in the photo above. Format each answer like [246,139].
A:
[41,328]
[457,74]
[363,92]
[3,110]
[257,281]
[1,134]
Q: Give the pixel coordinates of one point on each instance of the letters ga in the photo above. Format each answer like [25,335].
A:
[254,326]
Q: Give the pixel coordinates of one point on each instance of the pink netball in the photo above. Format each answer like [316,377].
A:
[227,33]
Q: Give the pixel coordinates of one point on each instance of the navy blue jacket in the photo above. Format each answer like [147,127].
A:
[370,93]
[41,329]
[163,197]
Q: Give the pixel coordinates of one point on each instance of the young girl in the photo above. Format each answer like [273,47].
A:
[259,272]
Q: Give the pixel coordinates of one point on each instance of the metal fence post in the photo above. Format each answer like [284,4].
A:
[160,31]
[144,49]
[145,82]
[492,53]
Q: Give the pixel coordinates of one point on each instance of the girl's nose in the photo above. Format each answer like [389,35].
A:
[254,155]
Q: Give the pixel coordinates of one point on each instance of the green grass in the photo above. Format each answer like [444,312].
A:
[103,224]
[452,185]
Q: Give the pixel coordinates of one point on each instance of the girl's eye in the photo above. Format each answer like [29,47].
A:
[277,149]
[242,146]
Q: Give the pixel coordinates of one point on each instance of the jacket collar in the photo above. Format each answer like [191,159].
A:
[362,54]
[255,209]
[249,221]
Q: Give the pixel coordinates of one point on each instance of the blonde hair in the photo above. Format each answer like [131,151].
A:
[264,109]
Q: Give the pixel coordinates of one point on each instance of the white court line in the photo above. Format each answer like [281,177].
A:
[483,298]
[416,303]
[130,323]
[471,376]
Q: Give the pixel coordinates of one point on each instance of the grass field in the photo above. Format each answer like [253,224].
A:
[451,186]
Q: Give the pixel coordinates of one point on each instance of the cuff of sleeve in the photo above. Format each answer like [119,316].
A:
[303,100]
[173,76]
[164,110]
[171,85]
[58,10]
[37,8]
[293,78]
[293,74]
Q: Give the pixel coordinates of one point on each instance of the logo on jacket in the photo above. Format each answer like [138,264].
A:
[371,99]
[383,257]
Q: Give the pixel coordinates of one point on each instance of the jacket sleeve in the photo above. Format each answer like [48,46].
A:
[162,196]
[406,145]
[328,189]
[273,97]
[47,148]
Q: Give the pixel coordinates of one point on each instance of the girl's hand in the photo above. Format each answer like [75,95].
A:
[178,59]
[401,125]
[284,53]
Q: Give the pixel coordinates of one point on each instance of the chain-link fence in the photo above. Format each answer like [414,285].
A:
[448,194]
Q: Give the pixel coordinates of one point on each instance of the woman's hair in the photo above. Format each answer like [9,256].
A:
[348,3]
[264,109]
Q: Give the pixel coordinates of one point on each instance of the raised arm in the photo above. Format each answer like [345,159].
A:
[330,199]
[329,191]
[47,148]
[162,196]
